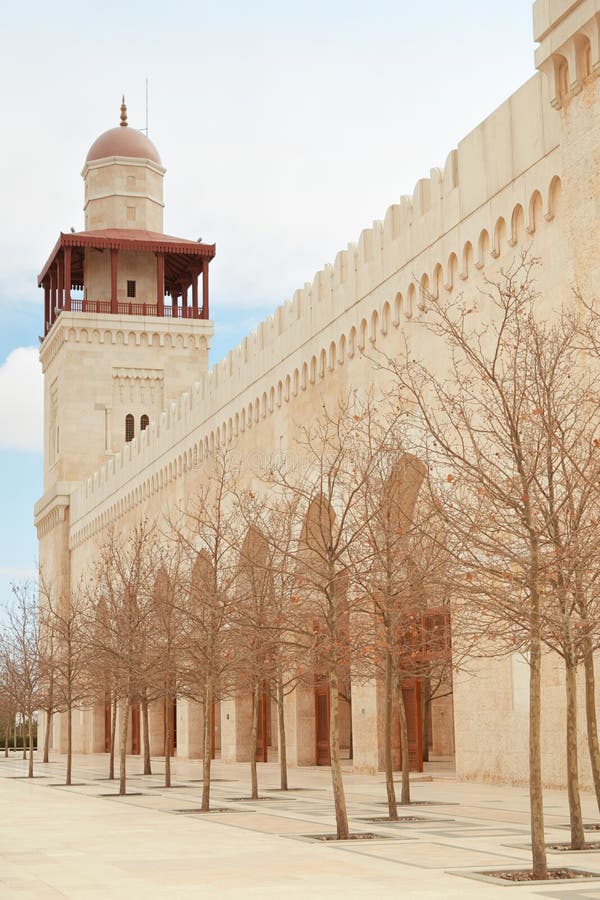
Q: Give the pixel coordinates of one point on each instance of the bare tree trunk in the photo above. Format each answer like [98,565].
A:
[146,723]
[591,718]
[575,817]
[69,742]
[15,736]
[113,735]
[123,747]
[536,800]
[253,742]
[208,727]
[339,798]
[23,717]
[168,708]
[283,772]
[405,794]
[47,732]
[389,766]
[6,737]
[30,733]
[426,699]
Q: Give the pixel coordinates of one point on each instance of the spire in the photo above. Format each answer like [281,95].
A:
[123,112]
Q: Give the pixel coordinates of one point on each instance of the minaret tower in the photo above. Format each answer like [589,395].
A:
[126,319]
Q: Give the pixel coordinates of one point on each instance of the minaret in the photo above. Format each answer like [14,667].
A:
[126,321]
[123,177]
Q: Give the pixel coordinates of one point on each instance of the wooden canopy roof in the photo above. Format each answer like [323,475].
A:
[182,257]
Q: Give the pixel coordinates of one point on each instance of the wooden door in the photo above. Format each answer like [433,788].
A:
[213,742]
[135,728]
[322,724]
[107,723]
[173,725]
[263,733]
[411,692]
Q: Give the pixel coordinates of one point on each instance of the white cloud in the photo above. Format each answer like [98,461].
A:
[21,401]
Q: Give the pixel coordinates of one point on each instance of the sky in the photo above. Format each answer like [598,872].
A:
[286,128]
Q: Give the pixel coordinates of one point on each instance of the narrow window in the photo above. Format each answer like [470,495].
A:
[144,422]
[129,427]
[131,288]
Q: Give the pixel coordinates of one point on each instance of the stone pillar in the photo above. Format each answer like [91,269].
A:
[243,730]
[236,727]
[299,709]
[366,733]
[190,729]
[97,728]
[228,723]
[156,727]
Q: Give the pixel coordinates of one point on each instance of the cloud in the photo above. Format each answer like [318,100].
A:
[21,401]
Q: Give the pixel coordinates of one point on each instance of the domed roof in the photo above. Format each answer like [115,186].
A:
[123,141]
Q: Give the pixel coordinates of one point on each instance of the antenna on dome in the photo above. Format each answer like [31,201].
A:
[146,128]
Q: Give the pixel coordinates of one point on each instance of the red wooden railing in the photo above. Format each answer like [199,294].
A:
[131,308]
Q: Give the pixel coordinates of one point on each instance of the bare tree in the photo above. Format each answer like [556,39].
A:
[405,578]
[65,619]
[256,634]
[123,585]
[499,481]
[208,533]
[166,638]
[284,645]
[334,462]
[48,701]
[21,653]
[8,699]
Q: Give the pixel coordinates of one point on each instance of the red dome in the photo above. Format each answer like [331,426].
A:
[123,141]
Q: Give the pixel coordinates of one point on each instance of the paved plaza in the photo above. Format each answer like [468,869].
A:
[77,842]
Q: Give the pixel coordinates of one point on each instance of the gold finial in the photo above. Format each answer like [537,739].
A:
[123,112]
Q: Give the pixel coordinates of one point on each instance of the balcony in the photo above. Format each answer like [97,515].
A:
[132,308]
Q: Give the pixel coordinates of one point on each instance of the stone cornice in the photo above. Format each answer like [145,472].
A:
[89,328]
[51,509]
[126,194]
[149,374]
[122,161]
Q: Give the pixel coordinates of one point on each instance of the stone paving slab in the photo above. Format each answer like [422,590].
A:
[269,824]
[71,843]
[435,856]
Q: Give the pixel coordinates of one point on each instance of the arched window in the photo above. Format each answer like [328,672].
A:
[129,427]
[144,422]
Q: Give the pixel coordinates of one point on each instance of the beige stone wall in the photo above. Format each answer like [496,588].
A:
[131,266]
[527,179]
[99,367]
[123,193]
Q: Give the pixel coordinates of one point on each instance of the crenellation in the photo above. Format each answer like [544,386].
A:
[421,199]
[451,228]
[218,393]
[450,173]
